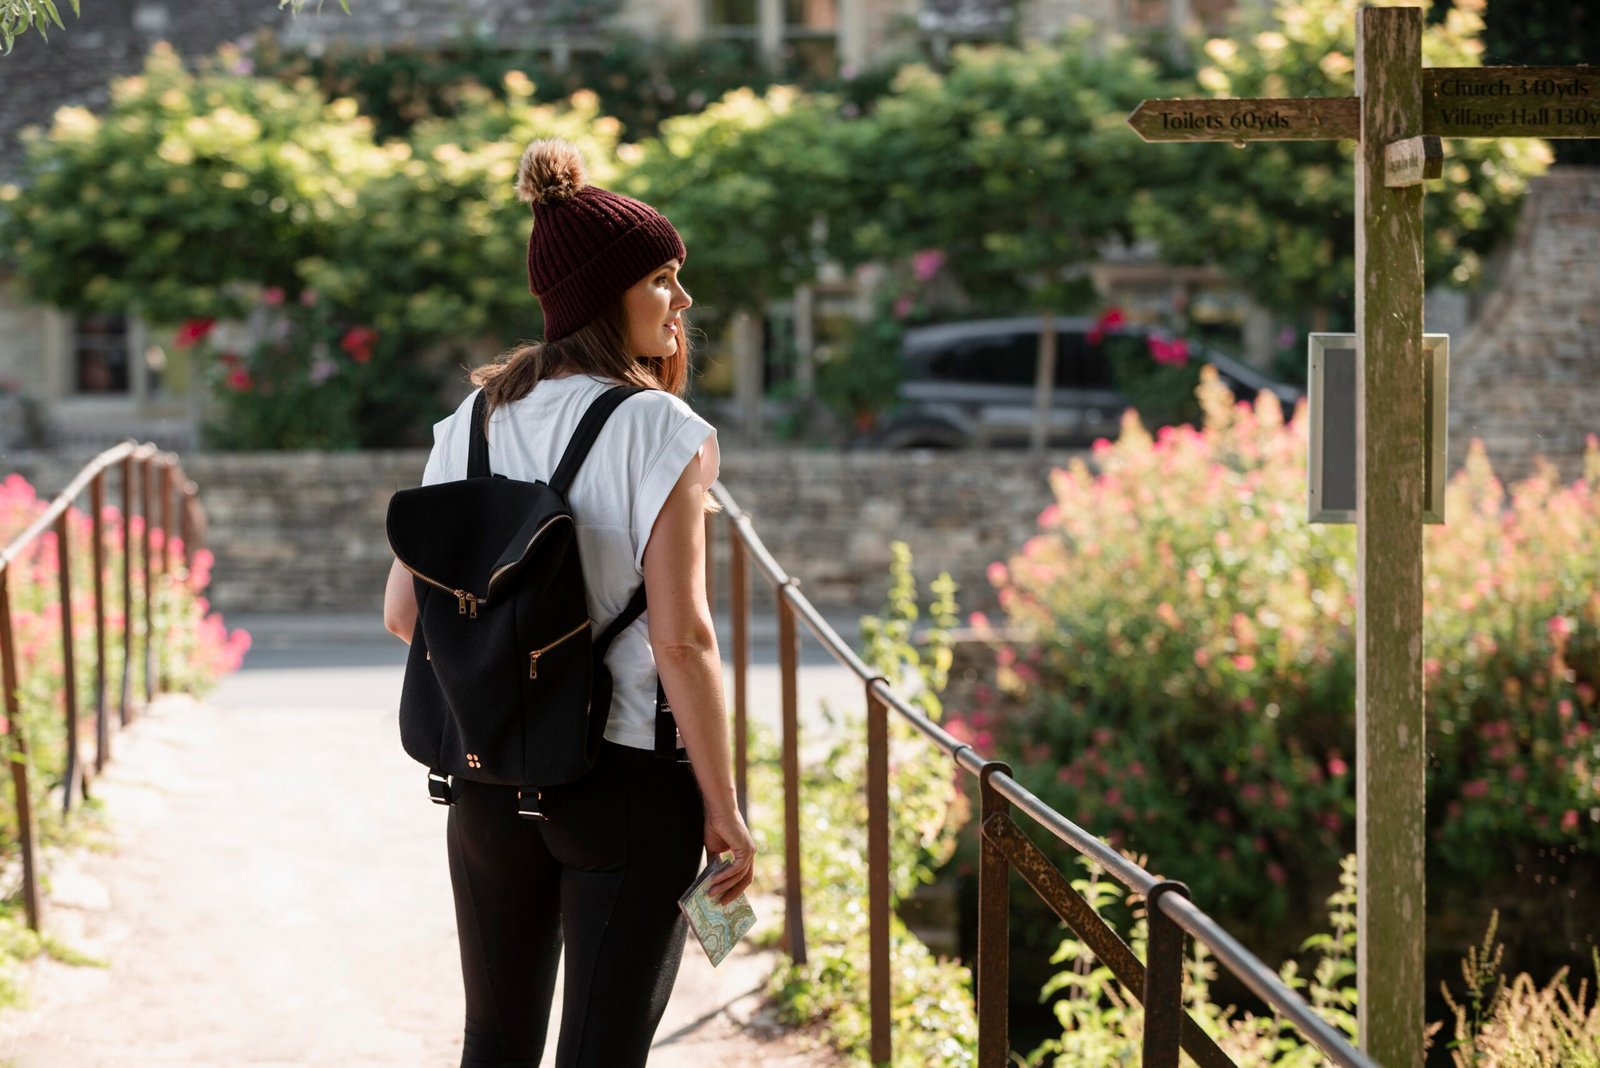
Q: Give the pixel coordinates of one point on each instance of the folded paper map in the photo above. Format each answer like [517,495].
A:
[719,927]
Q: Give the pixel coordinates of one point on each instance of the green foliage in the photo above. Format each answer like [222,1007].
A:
[1276,215]
[864,379]
[1103,1024]
[933,1013]
[641,82]
[1187,684]
[745,182]
[1015,163]
[17,17]
[188,193]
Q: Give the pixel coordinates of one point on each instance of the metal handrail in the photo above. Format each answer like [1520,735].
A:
[1170,913]
[150,478]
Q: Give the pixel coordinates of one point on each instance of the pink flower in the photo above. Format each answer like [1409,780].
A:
[926,264]
[1050,516]
[1168,353]
[272,296]
[192,332]
[239,380]
[308,298]
[1276,873]
[1337,767]
[902,306]
[996,574]
[1560,628]
[1477,788]
[1569,821]
[1244,662]
[978,621]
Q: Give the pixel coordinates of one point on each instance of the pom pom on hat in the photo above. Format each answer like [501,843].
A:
[551,171]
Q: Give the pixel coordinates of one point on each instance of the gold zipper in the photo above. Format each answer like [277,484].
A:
[536,536]
[533,657]
[467,603]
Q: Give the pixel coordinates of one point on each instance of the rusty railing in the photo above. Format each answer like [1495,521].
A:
[1171,915]
[150,482]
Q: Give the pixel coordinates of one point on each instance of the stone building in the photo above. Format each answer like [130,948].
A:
[1527,380]
[98,378]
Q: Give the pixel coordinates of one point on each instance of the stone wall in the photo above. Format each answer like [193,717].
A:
[303,532]
[1527,379]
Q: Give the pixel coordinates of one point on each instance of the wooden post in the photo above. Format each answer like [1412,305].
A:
[1390,756]
[1044,383]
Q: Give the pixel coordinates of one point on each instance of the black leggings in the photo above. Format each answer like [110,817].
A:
[604,875]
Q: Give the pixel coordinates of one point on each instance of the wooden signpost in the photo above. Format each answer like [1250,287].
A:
[1400,113]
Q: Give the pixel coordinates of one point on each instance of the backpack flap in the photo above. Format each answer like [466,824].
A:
[456,535]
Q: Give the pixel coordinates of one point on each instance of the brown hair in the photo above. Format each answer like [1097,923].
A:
[599,347]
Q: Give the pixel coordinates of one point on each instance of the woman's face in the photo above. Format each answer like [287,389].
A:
[652,305]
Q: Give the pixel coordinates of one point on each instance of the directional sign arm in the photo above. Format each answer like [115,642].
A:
[1310,119]
[1562,102]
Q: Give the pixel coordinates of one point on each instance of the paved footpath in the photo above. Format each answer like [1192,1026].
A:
[276,894]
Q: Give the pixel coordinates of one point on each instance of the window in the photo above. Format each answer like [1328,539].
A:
[731,18]
[997,360]
[1080,365]
[100,356]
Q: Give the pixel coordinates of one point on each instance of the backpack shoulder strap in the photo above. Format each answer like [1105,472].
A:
[583,438]
[477,440]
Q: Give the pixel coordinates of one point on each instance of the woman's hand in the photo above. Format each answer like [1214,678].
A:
[726,833]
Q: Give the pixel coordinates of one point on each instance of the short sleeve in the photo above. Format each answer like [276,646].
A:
[442,463]
[663,471]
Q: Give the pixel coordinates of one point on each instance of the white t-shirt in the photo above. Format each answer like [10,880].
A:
[615,498]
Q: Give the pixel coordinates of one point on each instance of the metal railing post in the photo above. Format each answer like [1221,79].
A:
[878,863]
[166,464]
[994,930]
[126,698]
[739,608]
[794,927]
[26,831]
[75,777]
[102,729]
[1163,980]
[147,491]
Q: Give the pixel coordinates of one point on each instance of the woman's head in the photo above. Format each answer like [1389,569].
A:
[605,270]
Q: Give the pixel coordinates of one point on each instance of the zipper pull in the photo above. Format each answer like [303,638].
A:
[533,664]
[472,607]
[461,602]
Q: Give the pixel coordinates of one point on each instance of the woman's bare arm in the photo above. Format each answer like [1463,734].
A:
[685,645]
[400,603]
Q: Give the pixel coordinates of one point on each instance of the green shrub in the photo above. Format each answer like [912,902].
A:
[1187,687]
[934,1018]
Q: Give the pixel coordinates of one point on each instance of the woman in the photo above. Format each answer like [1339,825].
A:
[604,876]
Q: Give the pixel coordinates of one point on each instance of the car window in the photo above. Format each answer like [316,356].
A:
[996,360]
[1080,365]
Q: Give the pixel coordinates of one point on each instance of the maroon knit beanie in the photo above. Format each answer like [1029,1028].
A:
[588,244]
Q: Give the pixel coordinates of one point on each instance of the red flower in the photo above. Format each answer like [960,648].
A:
[193,332]
[239,380]
[1109,319]
[1169,353]
[358,342]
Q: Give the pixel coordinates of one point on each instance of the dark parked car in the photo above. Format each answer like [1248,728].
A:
[972,383]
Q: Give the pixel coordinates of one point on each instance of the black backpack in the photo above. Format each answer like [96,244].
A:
[506,680]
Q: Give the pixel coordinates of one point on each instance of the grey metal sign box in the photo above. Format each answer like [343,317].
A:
[1332,436]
